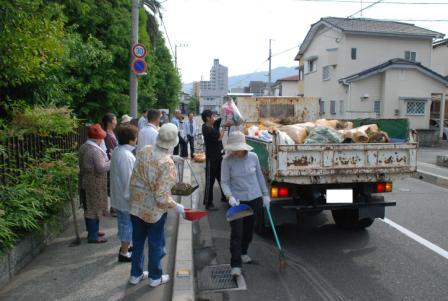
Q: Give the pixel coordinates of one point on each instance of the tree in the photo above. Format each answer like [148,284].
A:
[193,105]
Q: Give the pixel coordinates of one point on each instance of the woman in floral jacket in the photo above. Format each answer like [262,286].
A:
[153,177]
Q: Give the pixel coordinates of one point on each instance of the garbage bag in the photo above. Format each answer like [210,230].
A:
[297,133]
[284,139]
[230,114]
[323,135]
[328,123]
[265,136]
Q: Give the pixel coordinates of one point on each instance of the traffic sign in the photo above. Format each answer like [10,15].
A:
[139,51]
[139,66]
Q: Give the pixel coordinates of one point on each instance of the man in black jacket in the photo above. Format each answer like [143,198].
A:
[213,153]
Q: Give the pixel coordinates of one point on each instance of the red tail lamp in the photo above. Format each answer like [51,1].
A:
[283,192]
[384,187]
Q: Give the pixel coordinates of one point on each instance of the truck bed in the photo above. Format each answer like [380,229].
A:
[335,163]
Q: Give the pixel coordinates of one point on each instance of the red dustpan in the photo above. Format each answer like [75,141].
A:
[194,214]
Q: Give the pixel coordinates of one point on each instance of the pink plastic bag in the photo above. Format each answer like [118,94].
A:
[230,114]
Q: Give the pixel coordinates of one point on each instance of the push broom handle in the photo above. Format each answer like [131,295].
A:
[273,229]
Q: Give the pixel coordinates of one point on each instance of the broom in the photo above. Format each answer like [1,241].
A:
[281,256]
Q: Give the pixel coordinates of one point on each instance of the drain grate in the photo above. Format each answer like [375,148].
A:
[218,278]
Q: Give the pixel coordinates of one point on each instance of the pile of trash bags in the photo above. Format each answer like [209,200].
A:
[321,131]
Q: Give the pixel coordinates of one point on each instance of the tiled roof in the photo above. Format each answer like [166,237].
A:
[367,26]
[394,63]
[440,43]
[379,27]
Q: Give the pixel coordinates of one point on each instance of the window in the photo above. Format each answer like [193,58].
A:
[377,107]
[311,65]
[410,55]
[321,107]
[341,107]
[326,73]
[353,54]
[333,107]
[415,107]
[300,74]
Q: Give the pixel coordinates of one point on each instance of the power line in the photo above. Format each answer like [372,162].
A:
[384,2]
[287,50]
[363,9]
[166,32]
[414,20]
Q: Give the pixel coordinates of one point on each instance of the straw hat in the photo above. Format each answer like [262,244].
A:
[126,118]
[237,142]
[168,136]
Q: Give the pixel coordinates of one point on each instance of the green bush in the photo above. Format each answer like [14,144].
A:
[39,192]
[40,121]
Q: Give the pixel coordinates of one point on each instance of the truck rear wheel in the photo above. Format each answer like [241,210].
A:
[348,218]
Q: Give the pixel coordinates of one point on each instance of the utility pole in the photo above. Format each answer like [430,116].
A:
[133,80]
[269,74]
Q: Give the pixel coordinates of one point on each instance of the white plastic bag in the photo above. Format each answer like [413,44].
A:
[285,139]
[253,131]
[230,114]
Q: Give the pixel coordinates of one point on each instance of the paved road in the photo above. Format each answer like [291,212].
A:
[327,263]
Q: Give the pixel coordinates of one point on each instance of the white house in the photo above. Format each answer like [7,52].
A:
[369,68]
[440,57]
[287,86]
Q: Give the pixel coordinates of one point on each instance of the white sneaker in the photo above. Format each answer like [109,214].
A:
[135,280]
[162,280]
[246,258]
[235,272]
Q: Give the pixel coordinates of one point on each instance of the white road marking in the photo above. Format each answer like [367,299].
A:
[417,238]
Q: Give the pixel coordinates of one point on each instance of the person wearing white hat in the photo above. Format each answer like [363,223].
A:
[153,177]
[125,119]
[242,183]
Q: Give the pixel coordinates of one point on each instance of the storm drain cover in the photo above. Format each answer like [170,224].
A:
[218,278]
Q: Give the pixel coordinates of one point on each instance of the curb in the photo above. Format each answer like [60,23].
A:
[432,178]
[183,283]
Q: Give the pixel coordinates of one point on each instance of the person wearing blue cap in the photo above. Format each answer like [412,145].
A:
[242,183]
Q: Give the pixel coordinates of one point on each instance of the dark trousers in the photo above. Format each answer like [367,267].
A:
[242,232]
[155,233]
[212,173]
[181,147]
[191,142]
[92,226]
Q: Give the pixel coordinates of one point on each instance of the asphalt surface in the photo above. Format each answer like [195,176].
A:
[328,263]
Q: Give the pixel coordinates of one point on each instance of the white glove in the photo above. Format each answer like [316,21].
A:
[180,209]
[233,202]
[266,201]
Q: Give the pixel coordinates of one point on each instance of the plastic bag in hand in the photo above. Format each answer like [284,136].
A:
[230,114]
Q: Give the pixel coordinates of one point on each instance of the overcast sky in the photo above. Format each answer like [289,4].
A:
[238,31]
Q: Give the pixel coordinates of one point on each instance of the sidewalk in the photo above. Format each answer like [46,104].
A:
[87,271]
[427,170]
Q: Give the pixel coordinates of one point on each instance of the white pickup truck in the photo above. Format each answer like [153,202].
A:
[343,178]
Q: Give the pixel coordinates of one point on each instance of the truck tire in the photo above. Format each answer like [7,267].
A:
[348,219]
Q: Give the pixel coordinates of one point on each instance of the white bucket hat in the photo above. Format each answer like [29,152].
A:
[126,118]
[237,142]
[167,136]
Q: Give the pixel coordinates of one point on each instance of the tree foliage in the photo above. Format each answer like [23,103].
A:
[76,53]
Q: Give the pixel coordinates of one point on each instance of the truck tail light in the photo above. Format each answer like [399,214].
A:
[279,192]
[274,192]
[283,192]
[384,187]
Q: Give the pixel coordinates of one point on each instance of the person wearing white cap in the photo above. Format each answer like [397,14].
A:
[153,177]
[242,183]
[125,119]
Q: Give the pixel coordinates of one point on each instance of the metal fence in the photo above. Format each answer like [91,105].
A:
[17,152]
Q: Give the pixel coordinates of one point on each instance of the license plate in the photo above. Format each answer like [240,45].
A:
[339,196]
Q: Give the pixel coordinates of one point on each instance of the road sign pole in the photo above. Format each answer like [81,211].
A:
[133,81]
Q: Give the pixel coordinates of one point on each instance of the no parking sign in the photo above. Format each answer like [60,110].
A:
[139,66]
